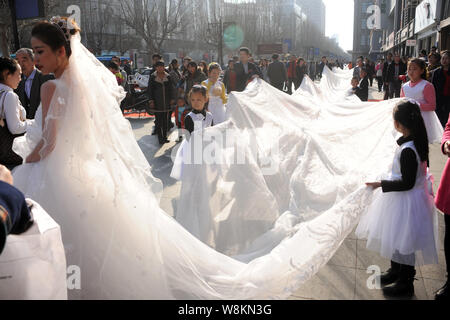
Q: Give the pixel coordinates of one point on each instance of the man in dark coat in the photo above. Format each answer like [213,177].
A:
[395,69]
[245,71]
[385,81]
[162,95]
[363,90]
[440,78]
[277,73]
[322,65]
[301,70]
[29,89]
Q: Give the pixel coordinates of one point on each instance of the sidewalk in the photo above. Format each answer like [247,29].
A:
[345,276]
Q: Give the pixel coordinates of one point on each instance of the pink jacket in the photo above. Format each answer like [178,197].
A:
[443,193]
[429,95]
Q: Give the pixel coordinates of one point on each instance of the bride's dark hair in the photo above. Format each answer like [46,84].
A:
[54,35]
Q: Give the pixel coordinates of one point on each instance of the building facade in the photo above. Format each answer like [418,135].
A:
[106,30]
[316,12]
[415,25]
[361,31]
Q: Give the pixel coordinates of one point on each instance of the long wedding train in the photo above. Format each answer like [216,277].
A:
[285,192]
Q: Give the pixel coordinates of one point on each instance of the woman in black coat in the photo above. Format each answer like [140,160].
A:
[441,81]
[162,94]
[301,70]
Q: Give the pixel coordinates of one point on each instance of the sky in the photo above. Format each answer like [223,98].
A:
[339,21]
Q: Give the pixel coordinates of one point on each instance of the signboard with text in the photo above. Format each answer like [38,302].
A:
[270,48]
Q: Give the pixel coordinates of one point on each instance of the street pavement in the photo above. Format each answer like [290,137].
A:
[346,274]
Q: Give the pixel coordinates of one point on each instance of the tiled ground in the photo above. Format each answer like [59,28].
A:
[345,276]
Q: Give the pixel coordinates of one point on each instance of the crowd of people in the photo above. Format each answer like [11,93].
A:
[178,80]
[393,76]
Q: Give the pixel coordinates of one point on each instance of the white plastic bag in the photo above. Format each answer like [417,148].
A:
[33,264]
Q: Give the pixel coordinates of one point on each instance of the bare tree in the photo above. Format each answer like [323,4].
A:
[100,33]
[25,26]
[155,21]
[259,22]
[5,23]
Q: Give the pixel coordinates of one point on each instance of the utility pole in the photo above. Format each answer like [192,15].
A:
[221,42]
[216,29]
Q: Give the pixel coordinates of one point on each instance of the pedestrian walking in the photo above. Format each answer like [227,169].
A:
[277,73]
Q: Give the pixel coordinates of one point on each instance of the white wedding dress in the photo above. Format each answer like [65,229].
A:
[96,183]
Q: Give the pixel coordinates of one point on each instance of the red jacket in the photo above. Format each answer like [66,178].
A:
[443,193]
[291,70]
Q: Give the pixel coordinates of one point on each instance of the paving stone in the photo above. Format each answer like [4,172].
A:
[330,283]
[366,257]
[367,291]
[432,286]
[435,271]
[345,256]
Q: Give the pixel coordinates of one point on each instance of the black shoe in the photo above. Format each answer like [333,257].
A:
[391,275]
[443,293]
[402,288]
[154,133]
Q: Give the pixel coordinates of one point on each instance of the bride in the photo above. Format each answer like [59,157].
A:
[85,168]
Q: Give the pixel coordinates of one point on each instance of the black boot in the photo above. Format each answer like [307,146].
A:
[443,294]
[404,286]
[391,275]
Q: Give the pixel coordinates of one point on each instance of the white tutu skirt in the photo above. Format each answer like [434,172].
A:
[433,126]
[217,109]
[402,226]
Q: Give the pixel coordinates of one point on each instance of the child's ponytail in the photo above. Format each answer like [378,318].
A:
[408,114]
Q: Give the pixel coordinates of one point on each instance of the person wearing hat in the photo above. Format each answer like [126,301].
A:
[155,59]
[15,217]
[277,73]
[162,94]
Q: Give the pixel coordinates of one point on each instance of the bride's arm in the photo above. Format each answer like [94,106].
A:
[47,91]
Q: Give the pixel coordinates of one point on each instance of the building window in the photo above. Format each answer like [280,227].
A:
[363,40]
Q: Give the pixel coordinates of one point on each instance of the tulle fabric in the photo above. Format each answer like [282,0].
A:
[217,108]
[96,183]
[402,226]
[434,128]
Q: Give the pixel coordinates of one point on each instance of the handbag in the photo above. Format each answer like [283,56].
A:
[7,156]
